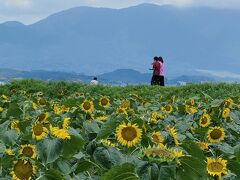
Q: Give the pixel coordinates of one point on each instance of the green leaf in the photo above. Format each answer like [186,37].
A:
[14,111]
[51,174]
[154,171]
[167,172]
[9,137]
[191,168]
[234,166]
[109,127]
[4,126]
[49,150]
[216,102]
[85,165]
[79,155]
[73,145]
[2,148]
[193,149]
[64,166]
[122,172]
[107,157]
[91,126]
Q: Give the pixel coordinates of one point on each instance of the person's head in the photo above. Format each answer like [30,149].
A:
[160,59]
[95,78]
[155,58]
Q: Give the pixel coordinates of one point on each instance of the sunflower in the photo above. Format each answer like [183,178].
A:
[216,167]
[23,170]
[77,94]
[14,125]
[190,109]
[64,109]
[56,109]
[38,131]
[104,102]
[128,134]
[174,135]
[161,153]
[42,118]
[108,143]
[41,102]
[160,98]
[203,145]
[157,138]
[168,108]
[125,104]
[87,106]
[101,118]
[59,133]
[9,152]
[121,111]
[205,120]
[228,103]
[153,117]
[192,101]
[39,93]
[225,113]
[28,151]
[34,105]
[216,134]
[4,96]
[65,123]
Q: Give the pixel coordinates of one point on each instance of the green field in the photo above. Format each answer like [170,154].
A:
[60,130]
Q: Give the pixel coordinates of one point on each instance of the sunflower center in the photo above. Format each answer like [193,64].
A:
[120,110]
[23,170]
[129,133]
[204,120]
[38,129]
[42,101]
[215,167]
[42,117]
[27,151]
[155,138]
[104,101]
[14,125]
[168,108]
[86,105]
[216,134]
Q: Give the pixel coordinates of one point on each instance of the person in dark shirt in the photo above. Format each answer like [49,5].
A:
[156,71]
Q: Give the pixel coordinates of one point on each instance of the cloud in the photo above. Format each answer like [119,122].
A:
[221,74]
[16,3]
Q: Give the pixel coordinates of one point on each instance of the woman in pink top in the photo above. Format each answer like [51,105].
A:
[161,73]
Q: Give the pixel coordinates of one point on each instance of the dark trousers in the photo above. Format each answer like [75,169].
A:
[157,80]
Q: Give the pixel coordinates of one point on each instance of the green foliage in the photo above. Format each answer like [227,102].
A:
[87,147]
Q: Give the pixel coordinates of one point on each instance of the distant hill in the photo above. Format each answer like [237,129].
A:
[99,40]
[117,77]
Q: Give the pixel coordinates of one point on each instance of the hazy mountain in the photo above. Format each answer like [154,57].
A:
[117,77]
[98,40]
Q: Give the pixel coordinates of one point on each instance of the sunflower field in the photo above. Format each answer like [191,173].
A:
[60,130]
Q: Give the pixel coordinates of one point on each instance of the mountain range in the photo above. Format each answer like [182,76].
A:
[99,40]
[116,77]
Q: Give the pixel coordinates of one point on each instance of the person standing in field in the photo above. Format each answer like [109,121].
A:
[161,71]
[156,71]
[94,81]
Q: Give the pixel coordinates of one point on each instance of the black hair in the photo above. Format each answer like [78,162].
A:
[160,59]
[95,78]
[155,58]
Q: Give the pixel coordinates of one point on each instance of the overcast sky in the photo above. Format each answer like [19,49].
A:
[30,11]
